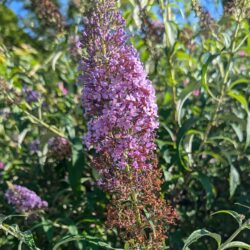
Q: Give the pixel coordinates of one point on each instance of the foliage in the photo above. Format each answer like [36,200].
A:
[201,76]
[229,243]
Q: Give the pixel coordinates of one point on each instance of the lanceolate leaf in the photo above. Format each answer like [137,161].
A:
[248,131]
[181,134]
[236,244]
[238,217]
[240,98]
[196,235]
[234,180]
[204,75]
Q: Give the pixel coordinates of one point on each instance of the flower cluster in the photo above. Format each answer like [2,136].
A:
[59,148]
[49,14]
[237,8]
[120,107]
[24,200]
[206,21]
[118,99]
[31,95]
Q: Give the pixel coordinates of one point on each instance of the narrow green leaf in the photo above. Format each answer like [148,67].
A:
[68,239]
[238,217]
[21,136]
[248,131]
[204,75]
[239,81]
[236,244]
[196,235]
[180,136]
[180,105]
[126,246]
[240,98]
[234,180]
[55,59]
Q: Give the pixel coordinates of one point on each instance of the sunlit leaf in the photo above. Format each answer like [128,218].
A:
[238,217]
[236,244]
[234,180]
[196,235]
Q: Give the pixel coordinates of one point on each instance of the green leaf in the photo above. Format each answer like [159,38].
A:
[180,105]
[239,81]
[238,217]
[238,131]
[234,180]
[180,136]
[223,138]
[55,59]
[248,131]
[170,33]
[242,205]
[236,244]
[126,246]
[28,239]
[196,235]
[148,216]
[208,187]
[21,137]
[204,75]
[240,98]
[68,239]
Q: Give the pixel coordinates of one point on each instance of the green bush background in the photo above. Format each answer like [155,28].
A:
[201,76]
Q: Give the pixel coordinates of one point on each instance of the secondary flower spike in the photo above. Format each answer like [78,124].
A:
[120,107]
[24,199]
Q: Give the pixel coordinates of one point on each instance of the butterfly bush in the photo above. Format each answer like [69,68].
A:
[120,107]
[24,199]
[118,98]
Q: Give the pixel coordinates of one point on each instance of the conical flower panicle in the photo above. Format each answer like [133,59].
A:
[118,99]
[120,107]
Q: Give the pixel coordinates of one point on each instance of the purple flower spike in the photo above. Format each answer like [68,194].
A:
[119,100]
[24,200]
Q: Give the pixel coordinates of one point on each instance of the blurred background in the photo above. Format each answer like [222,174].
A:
[197,56]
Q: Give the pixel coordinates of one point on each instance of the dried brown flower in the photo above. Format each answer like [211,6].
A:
[206,21]
[237,8]
[137,210]
[48,13]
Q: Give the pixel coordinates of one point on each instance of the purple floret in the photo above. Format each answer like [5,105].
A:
[24,200]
